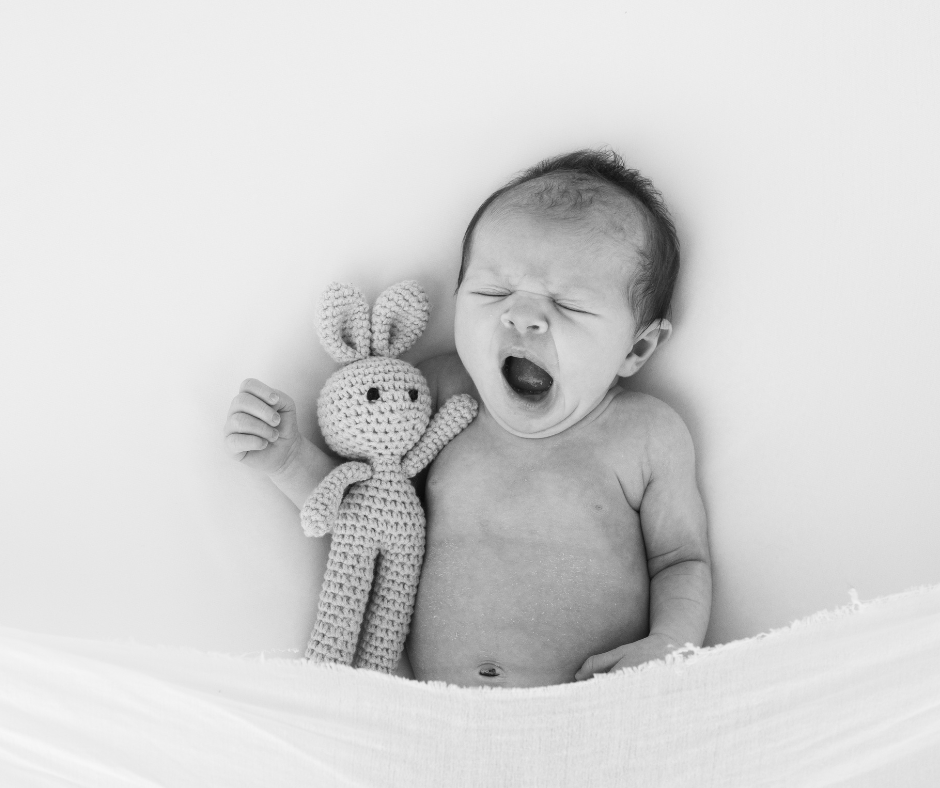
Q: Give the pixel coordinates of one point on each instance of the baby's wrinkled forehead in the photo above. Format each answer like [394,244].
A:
[589,204]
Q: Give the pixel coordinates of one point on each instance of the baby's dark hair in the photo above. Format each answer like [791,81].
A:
[580,173]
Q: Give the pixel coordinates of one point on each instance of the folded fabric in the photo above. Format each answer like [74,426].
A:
[850,697]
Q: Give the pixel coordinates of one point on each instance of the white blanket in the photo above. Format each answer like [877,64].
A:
[844,698]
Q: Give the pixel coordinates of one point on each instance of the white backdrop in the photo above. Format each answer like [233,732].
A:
[179,181]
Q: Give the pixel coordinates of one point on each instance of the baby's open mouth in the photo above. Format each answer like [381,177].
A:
[526,378]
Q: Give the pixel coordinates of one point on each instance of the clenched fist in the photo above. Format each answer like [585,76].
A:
[261,428]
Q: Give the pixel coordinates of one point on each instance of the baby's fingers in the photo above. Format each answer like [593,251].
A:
[239,444]
[599,663]
[251,405]
[241,423]
[260,390]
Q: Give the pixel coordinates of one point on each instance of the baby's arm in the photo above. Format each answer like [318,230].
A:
[447,423]
[672,517]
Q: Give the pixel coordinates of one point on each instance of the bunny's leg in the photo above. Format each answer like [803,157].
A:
[343,600]
[389,614]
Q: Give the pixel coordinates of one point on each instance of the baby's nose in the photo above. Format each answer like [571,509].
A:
[526,317]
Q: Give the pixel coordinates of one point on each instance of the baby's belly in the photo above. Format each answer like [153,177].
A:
[534,561]
[516,612]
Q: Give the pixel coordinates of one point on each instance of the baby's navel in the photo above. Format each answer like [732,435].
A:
[490,670]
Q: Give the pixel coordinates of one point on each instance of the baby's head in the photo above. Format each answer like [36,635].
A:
[565,284]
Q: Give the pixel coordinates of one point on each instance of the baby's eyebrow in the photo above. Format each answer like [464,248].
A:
[483,274]
[574,293]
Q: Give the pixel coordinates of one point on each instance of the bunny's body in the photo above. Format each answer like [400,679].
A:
[377,411]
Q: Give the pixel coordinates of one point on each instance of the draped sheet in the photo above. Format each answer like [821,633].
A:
[850,697]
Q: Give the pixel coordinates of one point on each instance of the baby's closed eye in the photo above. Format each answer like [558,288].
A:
[571,308]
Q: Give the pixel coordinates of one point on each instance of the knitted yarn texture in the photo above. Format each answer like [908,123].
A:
[376,411]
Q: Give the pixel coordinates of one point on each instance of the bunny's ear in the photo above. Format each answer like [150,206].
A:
[398,318]
[344,323]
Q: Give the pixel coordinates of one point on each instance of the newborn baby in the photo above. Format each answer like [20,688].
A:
[565,531]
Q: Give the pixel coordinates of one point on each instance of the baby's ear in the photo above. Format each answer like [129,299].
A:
[344,323]
[649,339]
[398,318]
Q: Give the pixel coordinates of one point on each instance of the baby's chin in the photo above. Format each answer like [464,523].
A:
[530,416]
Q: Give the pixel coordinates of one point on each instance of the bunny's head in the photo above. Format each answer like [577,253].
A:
[377,406]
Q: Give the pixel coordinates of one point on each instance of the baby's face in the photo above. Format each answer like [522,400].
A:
[543,323]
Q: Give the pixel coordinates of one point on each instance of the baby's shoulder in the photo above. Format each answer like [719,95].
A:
[648,420]
[446,376]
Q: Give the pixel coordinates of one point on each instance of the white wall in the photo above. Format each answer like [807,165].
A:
[178,182]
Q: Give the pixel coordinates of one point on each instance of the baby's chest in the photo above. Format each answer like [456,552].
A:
[542,494]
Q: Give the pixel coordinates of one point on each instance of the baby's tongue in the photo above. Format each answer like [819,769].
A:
[526,377]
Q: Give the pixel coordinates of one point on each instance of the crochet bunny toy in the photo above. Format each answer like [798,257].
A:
[376,410]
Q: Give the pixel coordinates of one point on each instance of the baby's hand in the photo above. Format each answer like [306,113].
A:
[261,428]
[633,654]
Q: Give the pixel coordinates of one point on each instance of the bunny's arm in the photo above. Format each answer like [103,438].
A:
[321,508]
[453,416]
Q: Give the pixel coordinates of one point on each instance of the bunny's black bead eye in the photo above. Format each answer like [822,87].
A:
[413,393]
[372,394]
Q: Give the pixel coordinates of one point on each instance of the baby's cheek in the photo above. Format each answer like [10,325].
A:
[463,325]
[607,351]
[462,346]
[472,350]
[586,374]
